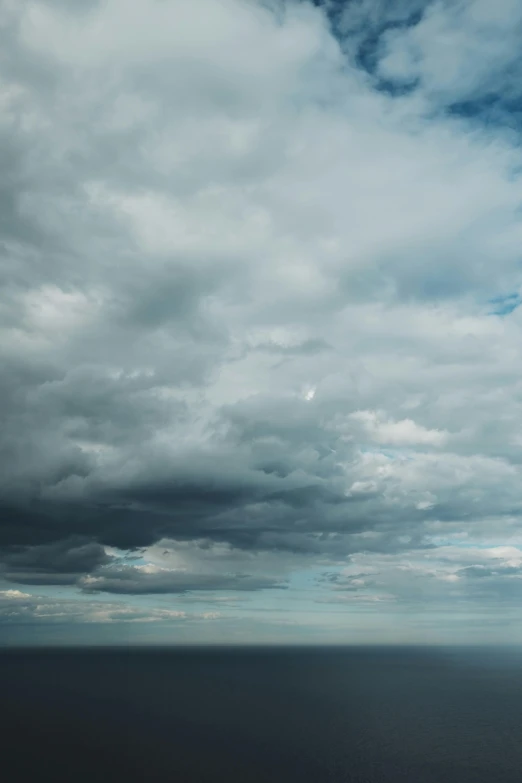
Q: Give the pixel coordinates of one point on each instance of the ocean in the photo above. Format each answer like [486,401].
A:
[262,715]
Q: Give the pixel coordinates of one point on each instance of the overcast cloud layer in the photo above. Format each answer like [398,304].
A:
[259,327]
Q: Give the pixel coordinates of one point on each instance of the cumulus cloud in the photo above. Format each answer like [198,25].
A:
[251,274]
[12,595]
[459,51]
[399,433]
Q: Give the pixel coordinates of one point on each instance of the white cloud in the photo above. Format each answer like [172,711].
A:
[13,595]
[458,49]
[399,433]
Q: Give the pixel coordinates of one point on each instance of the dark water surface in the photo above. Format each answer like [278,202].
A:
[361,715]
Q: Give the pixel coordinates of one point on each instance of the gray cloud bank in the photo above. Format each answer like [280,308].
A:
[247,256]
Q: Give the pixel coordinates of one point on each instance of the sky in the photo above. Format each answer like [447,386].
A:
[260,334]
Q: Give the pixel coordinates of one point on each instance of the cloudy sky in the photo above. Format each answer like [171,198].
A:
[261,344]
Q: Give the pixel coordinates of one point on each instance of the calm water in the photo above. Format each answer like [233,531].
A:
[438,716]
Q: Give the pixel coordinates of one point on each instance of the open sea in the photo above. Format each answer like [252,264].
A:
[261,715]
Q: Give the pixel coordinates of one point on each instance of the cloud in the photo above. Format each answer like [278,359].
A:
[399,433]
[10,595]
[140,580]
[21,608]
[57,563]
[258,285]
[458,578]
[462,50]
[170,567]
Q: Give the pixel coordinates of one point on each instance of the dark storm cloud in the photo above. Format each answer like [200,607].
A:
[57,563]
[73,556]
